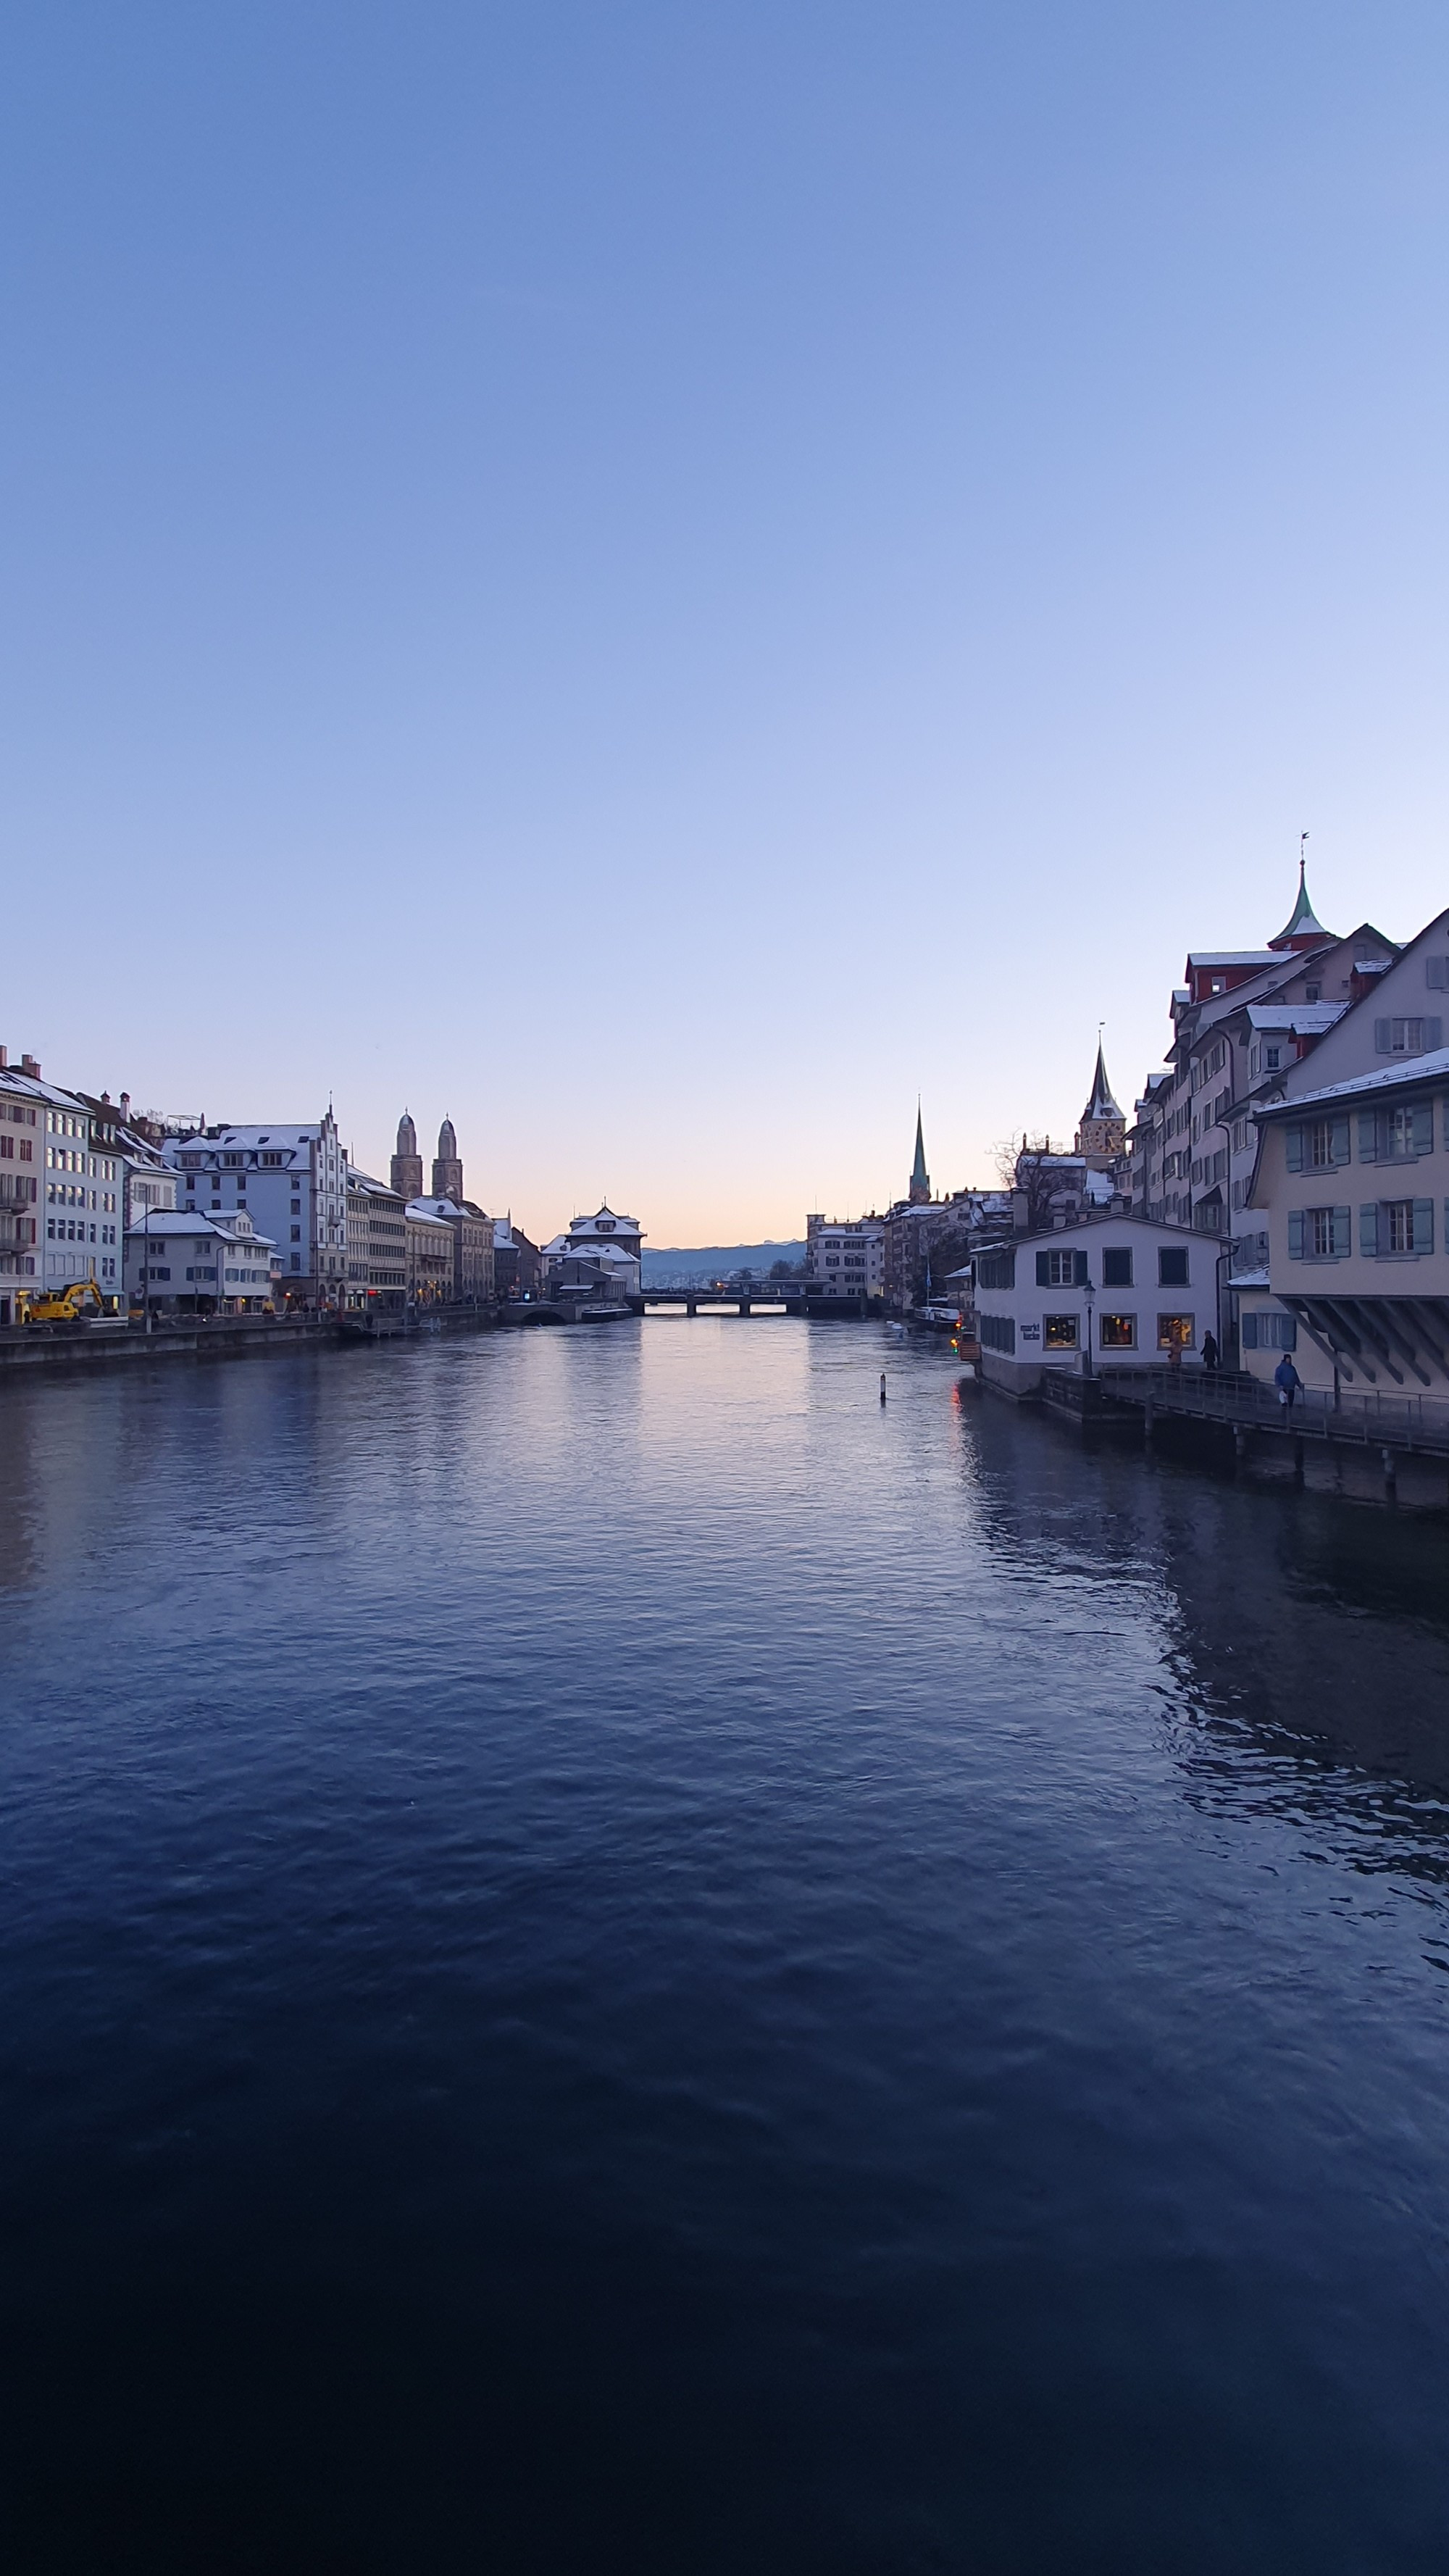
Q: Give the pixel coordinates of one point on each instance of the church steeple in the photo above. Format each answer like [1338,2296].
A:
[1102,1133]
[920,1189]
[406,1174]
[1303,929]
[447,1167]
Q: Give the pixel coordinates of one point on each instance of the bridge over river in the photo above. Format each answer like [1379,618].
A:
[762,1297]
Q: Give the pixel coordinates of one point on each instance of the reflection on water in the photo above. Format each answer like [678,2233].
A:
[615,1953]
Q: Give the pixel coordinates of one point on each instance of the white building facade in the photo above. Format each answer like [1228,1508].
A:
[846,1256]
[180,1264]
[1110,1292]
[291,1182]
[613,1243]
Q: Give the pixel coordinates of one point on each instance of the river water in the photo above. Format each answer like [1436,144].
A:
[615,1956]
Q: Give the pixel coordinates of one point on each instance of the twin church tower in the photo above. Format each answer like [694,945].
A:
[406,1175]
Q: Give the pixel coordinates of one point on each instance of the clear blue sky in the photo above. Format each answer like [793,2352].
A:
[663,578]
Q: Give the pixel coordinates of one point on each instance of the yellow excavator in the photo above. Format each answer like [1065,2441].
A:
[79,1303]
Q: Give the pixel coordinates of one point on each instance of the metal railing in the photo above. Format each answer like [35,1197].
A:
[1393,1421]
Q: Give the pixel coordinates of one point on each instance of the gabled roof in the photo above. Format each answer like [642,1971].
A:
[1409,1070]
[1296,1019]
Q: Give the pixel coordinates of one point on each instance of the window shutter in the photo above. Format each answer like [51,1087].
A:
[1381,1037]
[1043,1270]
[1295,1234]
[1423,1126]
[1295,1149]
[1423,1225]
[1339,1147]
[1249,1332]
[1433,1035]
[1368,1136]
[1079,1268]
[1436,974]
[1342,1233]
[1368,1230]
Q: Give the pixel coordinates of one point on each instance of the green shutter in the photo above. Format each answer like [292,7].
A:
[1368,1137]
[1433,1036]
[1079,1268]
[1339,1134]
[1043,1270]
[1423,1126]
[1381,1037]
[1342,1233]
[1423,1225]
[1295,1234]
[1295,1149]
[1368,1230]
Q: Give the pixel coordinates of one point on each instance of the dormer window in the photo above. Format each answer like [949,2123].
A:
[1311,992]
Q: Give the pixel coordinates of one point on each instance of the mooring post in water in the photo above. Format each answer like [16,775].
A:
[1240,1446]
[1147,1418]
[1391,1477]
[882,1386]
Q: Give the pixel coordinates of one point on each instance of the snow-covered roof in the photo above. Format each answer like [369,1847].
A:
[1093,1224]
[1409,1069]
[1210,957]
[1249,1279]
[1299,1019]
[174,1222]
[29,1086]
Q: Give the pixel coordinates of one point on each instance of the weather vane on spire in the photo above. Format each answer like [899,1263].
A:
[1302,856]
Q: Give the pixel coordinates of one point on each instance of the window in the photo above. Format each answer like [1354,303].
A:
[1272,1058]
[1061,1269]
[1175,1332]
[1311,992]
[1403,1135]
[1117,1332]
[1117,1267]
[296,1208]
[1396,1135]
[996,1333]
[1318,1234]
[1059,1332]
[1268,1332]
[1396,1228]
[1407,1036]
[1172,1265]
[1318,1146]
[993,1270]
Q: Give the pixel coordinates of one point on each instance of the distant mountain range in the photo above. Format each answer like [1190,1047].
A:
[714,1260]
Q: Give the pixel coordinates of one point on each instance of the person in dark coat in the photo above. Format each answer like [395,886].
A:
[1287,1381]
[1210,1351]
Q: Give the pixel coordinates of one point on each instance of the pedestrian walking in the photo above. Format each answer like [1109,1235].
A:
[1287,1381]
[1210,1352]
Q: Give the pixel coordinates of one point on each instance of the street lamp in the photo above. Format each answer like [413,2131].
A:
[1088,1292]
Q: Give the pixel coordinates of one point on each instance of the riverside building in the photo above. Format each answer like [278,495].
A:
[1351,1194]
[1110,1291]
[291,1181]
[184,1263]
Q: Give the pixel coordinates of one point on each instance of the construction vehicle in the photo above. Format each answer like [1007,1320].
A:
[79,1303]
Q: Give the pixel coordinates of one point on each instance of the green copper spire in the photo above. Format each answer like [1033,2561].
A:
[920,1188]
[1303,923]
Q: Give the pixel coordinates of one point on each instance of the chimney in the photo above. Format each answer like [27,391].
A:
[126,1108]
[29,1065]
[4,1058]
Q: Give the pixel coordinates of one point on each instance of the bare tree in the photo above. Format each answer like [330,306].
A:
[1025,1167]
